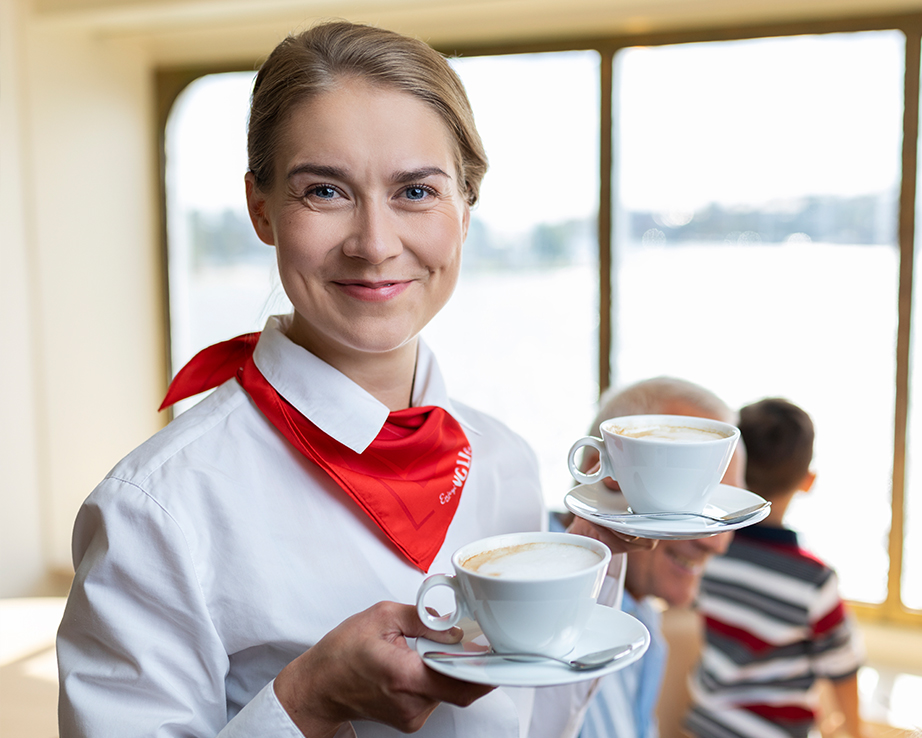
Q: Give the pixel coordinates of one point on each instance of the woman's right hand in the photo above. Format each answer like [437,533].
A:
[364,669]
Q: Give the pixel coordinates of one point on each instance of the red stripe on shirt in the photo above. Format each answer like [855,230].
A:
[752,642]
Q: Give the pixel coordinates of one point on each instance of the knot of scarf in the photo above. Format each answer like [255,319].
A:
[409,479]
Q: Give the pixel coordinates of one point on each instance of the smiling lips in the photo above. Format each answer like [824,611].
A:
[379,291]
[692,566]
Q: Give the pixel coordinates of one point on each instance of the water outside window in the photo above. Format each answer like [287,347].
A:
[757,195]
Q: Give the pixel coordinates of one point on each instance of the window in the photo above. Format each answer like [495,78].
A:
[223,281]
[756,246]
[755,249]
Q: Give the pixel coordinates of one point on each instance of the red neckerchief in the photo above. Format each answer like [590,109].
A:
[408,480]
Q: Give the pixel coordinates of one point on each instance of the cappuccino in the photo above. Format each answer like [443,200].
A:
[536,560]
[677,433]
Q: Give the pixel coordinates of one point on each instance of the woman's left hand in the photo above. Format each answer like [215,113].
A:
[617,542]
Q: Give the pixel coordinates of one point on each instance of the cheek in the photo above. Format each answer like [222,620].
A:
[303,243]
[444,280]
[443,265]
[639,575]
[439,238]
[684,595]
[719,544]
[294,264]
[679,585]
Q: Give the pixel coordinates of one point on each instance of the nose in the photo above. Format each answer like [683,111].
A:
[716,544]
[373,236]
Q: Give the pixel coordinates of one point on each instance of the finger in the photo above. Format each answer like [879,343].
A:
[636,543]
[627,543]
[456,691]
[452,635]
[617,542]
[410,626]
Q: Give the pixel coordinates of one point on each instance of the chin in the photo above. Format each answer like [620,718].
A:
[682,599]
[381,345]
[679,584]
[375,336]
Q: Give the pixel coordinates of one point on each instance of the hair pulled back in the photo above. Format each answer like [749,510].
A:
[315,61]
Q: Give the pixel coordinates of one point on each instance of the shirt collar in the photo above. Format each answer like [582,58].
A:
[768,534]
[329,399]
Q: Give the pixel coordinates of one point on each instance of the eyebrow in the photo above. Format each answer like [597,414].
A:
[331,172]
[321,170]
[412,175]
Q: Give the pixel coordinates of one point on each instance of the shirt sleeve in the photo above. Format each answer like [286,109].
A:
[835,646]
[138,654]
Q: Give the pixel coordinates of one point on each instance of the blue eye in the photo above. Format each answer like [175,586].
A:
[324,192]
[416,193]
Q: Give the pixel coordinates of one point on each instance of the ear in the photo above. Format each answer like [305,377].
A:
[465,221]
[807,482]
[256,205]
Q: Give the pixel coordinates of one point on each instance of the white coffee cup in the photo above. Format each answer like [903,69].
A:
[529,592]
[663,463]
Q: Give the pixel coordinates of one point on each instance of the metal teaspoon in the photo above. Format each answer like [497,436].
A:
[727,519]
[585,662]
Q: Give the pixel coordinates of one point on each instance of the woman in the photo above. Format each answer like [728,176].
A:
[239,573]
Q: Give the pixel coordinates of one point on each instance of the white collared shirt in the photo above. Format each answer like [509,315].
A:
[215,553]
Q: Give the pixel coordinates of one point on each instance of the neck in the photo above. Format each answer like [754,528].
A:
[390,381]
[779,507]
[387,376]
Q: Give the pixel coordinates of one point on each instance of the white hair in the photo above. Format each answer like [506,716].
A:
[651,396]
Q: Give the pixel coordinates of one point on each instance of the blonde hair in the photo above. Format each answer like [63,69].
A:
[315,61]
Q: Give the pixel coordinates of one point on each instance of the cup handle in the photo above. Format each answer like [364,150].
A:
[604,470]
[445,621]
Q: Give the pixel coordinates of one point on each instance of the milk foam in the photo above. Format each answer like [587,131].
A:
[532,560]
[669,433]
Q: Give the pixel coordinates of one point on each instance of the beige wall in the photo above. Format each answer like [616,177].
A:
[80,280]
[21,554]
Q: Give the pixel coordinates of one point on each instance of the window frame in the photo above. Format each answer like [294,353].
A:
[170,82]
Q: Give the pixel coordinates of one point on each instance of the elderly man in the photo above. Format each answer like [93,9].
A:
[625,703]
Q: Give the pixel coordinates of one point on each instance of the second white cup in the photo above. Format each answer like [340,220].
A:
[663,463]
[528,592]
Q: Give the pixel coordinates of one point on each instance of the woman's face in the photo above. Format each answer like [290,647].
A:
[368,218]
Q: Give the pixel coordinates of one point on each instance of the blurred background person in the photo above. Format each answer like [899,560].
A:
[625,703]
[774,620]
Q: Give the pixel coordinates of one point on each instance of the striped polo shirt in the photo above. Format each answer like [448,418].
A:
[774,624]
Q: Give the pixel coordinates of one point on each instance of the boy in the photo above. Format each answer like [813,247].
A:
[774,621]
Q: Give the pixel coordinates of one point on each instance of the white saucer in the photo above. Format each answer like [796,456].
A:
[588,500]
[607,628]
